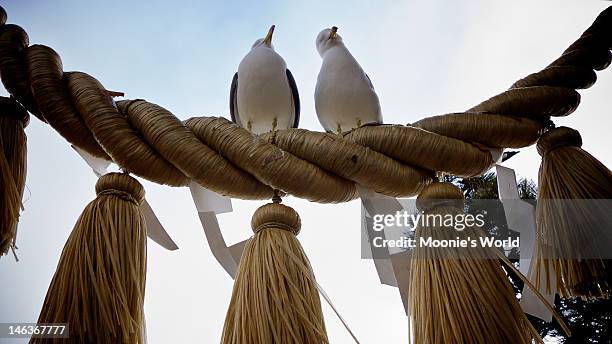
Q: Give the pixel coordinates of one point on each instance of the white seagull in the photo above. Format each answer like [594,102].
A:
[263,95]
[344,96]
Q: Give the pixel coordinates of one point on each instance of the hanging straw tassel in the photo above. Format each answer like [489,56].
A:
[275,298]
[98,287]
[13,120]
[574,237]
[460,295]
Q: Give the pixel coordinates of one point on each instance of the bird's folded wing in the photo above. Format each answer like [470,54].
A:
[233,103]
[296,99]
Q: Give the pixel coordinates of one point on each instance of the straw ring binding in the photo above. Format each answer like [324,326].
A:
[432,204]
[558,137]
[276,225]
[121,185]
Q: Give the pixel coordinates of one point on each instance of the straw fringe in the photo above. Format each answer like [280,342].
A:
[570,173]
[12,170]
[99,285]
[275,298]
[460,295]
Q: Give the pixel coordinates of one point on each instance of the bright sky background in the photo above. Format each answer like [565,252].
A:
[424,57]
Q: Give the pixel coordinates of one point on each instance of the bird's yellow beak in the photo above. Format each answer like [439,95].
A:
[268,39]
[333,32]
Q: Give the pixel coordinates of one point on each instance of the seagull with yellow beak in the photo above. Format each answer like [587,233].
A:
[263,95]
[344,96]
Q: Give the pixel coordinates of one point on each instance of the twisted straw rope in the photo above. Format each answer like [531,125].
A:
[396,160]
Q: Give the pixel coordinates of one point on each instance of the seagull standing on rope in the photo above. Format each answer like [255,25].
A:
[263,95]
[344,96]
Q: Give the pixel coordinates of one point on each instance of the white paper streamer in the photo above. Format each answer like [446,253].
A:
[520,217]
[383,266]
[395,269]
[209,204]
[496,154]
[209,201]
[331,304]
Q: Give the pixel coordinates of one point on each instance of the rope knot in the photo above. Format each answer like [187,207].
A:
[120,185]
[558,137]
[438,195]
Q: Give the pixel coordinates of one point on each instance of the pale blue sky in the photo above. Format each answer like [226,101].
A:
[424,57]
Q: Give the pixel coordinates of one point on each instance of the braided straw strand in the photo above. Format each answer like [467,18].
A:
[351,161]
[179,145]
[13,149]
[275,297]
[495,131]
[270,164]
[13,41]
[98,288]
[425,149]
[459,295]
[123,143]
[47,81]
